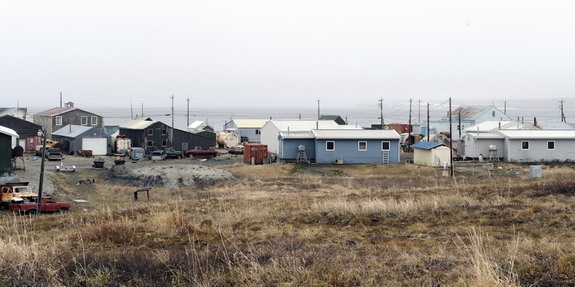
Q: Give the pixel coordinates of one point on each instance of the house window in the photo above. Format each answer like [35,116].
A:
[150,132]
[525,145]
[493,113]
[257,132]
[550,145]
[164,143]
[164,131]
[94,120]
[330,145]
[84,120]
[150,144]
[385,145]
[58,120]
[362,146]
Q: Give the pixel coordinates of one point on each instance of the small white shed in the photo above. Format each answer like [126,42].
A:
[430,154]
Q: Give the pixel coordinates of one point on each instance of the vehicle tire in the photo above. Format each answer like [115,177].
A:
[63,210]
[31,212]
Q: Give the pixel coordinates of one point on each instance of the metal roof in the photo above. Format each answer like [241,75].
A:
[297,135]
[305,125]
[486,135]
[60,110]
[137,124]
[488,126]
[71,131]
[355,134]
[470,112]
[247,123]
[538,134]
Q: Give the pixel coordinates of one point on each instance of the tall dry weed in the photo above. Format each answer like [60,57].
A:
[488,270]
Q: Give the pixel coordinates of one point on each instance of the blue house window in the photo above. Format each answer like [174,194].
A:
[385,145]
[330,146]
[362,146]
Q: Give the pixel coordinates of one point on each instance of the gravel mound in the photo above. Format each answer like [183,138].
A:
[167,176]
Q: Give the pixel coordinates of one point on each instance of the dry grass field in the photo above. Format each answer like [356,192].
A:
[293,225]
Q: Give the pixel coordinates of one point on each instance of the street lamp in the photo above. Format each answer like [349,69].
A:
[42,134]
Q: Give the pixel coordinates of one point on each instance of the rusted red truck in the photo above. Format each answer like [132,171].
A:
[29,205]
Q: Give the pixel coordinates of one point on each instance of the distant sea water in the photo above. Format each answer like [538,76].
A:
[362,117]
[527,111]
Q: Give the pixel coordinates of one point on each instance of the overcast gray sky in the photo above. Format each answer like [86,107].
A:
[284,53]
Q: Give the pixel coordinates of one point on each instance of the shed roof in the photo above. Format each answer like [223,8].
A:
[426,145]
[538,134]
[8,131]
[355,134]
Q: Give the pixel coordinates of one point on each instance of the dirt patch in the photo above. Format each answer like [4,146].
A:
[166,175]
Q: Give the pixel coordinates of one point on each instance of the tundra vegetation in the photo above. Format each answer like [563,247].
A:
[292,225]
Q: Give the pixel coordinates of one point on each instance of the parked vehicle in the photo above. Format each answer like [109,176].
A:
[200,152]
[157,155]
[13,190]
[172,153]
[29,205]
[137,153]
[53,154]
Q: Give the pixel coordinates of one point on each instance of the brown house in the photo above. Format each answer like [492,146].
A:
[56,118]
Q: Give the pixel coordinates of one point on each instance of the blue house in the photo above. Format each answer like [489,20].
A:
[342,146]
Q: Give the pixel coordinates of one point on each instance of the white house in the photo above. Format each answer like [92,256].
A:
[272,129]
[248,130]
[538,145]
[467,116]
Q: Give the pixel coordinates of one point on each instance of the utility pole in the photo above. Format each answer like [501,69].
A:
[172,129]
[459,124]
[428,130]
[188,113]
[505,107]
[381,112]
[563,120]
[409,129]
[318,114]
[450,141]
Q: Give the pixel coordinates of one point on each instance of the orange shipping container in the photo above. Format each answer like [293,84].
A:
[255,153]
